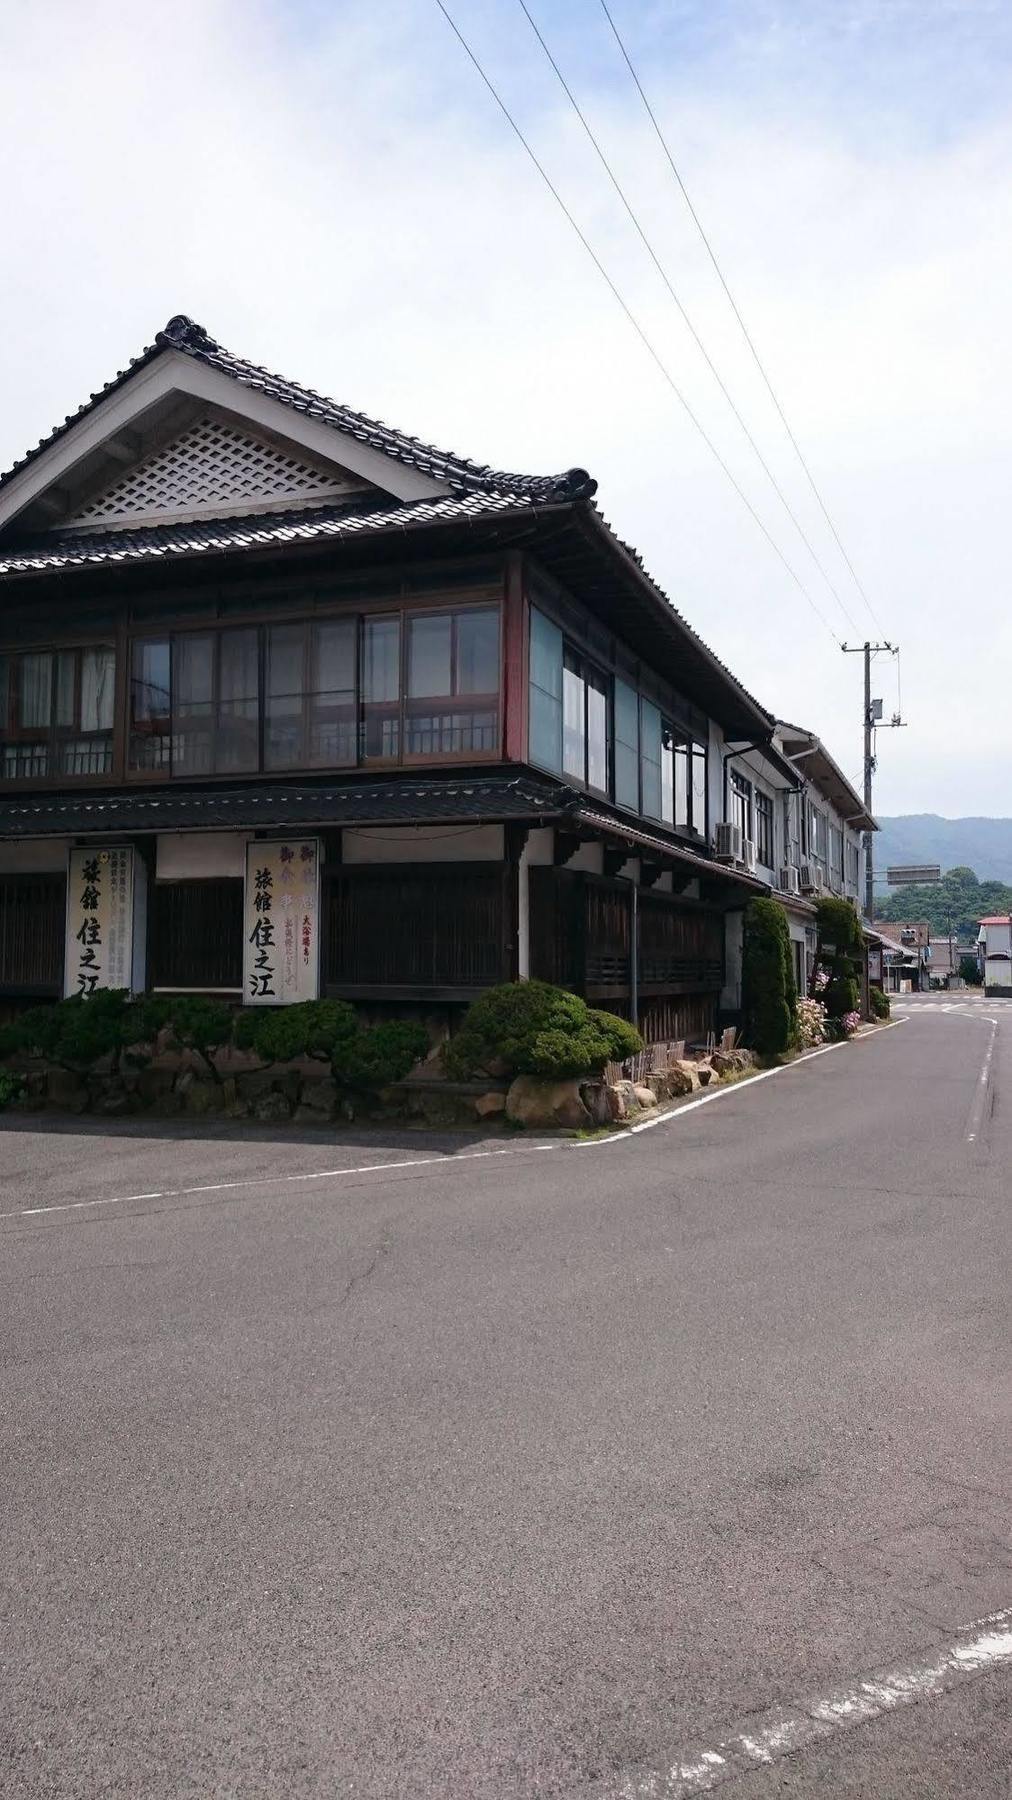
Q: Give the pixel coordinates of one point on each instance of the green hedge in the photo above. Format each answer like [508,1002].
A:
[879,1002]
[78,1032]
[532,1028]
[769,990]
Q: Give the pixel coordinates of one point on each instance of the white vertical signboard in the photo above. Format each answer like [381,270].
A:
[281,953]
[99,949]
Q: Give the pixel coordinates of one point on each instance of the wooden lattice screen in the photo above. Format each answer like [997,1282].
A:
[443,932]
[32,925]
[195,936]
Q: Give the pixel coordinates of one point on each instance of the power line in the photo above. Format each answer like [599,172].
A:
[654,354]
[701,347]
[734,308]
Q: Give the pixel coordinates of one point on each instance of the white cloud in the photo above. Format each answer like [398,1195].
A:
[331,192]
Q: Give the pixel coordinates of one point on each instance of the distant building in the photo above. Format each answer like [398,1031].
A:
[913,939]
[994,942]
[946,957]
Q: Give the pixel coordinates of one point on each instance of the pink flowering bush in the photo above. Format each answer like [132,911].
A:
[811,1015]
[850,1023]
[821,981]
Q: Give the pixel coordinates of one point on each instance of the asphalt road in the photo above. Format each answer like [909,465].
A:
[563,1470]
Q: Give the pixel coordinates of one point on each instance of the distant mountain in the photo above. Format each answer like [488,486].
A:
[984,845]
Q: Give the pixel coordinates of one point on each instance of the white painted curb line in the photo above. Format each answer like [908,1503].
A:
[733,1087]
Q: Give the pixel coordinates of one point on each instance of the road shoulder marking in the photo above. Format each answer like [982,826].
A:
[735,1087]
[978,1648]
[253,1181]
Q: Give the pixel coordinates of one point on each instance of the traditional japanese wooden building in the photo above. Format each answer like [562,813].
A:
[251,638]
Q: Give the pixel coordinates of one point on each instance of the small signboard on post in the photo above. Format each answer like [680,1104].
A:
[906,874]
[281,950]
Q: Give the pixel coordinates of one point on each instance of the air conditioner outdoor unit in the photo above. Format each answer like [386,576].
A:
[727,845]
[790,881]
[748,854]
[808,881]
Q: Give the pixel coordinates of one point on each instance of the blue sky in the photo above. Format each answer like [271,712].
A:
[330,190]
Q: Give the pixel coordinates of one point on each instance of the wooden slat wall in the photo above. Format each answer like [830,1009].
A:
[33,911]
[580,939]
[195,934]
[443,927]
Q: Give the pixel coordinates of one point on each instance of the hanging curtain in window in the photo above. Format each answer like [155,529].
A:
[98,670]
[36,690]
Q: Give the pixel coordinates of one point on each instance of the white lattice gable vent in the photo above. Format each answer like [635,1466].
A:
[210,470]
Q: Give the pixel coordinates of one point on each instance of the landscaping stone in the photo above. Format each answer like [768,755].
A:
[487,1105]
[684,1077]
[537,1103]
[318,1099]
[705,1073]
[228,1061]
[199,1097]
[191,1061]
[645,1096]
[153,1084]
[272,1106]
[66,1090]
[722,1061]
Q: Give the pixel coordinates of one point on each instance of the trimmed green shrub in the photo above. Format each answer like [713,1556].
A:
[372,1056]
[532,1028]
[311,1027]
[838,924]
[71,1031]
[192,1019]
[879,1002]
[769,990]
[624,1040]
[11,1088]
[969,969]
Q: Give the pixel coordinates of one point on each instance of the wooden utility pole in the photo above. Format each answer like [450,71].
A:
[872,718]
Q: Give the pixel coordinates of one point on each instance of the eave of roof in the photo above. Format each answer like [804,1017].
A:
[401,800]
[815,760]
[182,334]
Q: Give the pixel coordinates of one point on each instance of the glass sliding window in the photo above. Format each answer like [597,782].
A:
[57,708]
[216,702]
[741,803]
[574,718]
[237,746]
[381,689]
[627,746]
[667,773]
[150,705]
[699,789]
[683,796]
[764,829]
[545,728]
[452,702]
[597,731]
[286,677]
[193,703]
[309,713]
[650,758]
[333,709]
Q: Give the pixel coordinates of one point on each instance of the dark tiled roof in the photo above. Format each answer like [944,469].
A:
[459,472]
[162,543]
[471,799]
[401,801]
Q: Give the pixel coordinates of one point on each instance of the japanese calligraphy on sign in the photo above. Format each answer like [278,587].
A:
[281,950]
[100,920]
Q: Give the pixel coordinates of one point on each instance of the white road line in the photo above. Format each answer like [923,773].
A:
[984,1645]
[218,1187]
[732,1087]
[980,1098]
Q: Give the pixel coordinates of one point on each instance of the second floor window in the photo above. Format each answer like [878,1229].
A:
[764,829]
[740,795]
[584,722]
[57,709]
[320,694]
